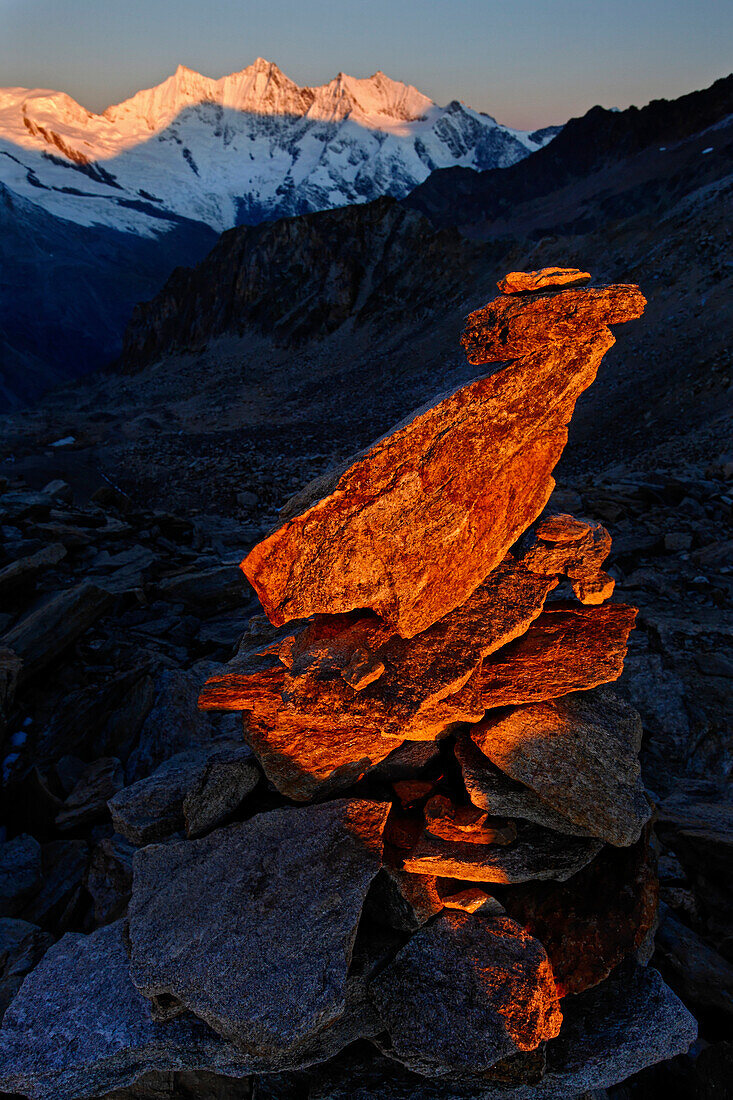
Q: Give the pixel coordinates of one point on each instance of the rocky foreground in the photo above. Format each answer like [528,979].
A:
[470,914]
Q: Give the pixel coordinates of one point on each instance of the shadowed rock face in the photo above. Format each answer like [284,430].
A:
[420,518]
[262,948]
[196,788]
[579,754]
[493,791]
[590,923]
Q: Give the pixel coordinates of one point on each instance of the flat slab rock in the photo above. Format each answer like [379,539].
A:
[567,648]
[78,1028]
[579,754]
[252,927]
[421,517]
[535,854]
[548,278]
[466,992]
[195,789]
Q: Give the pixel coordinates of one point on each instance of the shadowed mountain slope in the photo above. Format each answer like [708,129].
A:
[599,141]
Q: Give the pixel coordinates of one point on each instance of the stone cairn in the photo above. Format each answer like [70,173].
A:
[445,887]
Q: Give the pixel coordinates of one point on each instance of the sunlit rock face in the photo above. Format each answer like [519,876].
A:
[418,521]
[439,659]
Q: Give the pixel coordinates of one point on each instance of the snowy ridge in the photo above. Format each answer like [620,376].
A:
[243,149]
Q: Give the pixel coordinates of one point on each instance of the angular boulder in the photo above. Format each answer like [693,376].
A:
[608,1034]
[579,754]
[491,790]
[266,913]
[464,993]
[87,802]
[79,1029]
[195,789]
[574,548]
[22,945]
[419,519]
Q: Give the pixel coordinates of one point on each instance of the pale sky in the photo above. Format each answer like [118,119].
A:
[527,62]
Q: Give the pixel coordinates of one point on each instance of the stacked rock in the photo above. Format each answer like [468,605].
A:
[466,905]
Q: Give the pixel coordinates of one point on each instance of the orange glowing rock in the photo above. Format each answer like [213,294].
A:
[314,733]
[571,547]
[420,518]
[316,728]
[305,758]
[470,900]
[568,648]
[548,278]
[464,823]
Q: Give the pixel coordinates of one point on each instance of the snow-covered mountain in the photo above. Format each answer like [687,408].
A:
[247,148]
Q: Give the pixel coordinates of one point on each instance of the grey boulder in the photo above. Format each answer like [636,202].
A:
[466,992]
[493,791]
[252,927]
[196,789]
[579,754]
[79,1029]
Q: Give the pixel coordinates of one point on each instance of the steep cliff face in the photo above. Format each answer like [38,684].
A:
[303,278]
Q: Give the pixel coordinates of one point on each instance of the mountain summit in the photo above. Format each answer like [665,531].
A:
[246,148]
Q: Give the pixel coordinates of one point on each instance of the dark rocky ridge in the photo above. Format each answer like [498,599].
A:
[597,141]
[345,267]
